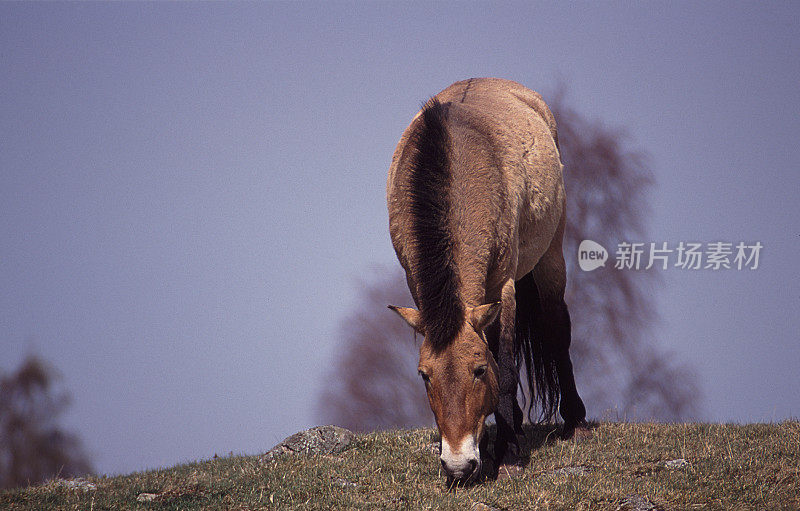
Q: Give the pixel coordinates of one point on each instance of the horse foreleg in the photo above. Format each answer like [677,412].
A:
[508,415]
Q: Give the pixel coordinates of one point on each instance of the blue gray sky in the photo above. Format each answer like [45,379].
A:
[190,192]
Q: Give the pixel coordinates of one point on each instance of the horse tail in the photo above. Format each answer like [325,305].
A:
[532,352]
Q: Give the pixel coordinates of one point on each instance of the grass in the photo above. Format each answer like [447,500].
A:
[753,466]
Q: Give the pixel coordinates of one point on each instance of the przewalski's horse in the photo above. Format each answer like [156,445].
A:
[476,215]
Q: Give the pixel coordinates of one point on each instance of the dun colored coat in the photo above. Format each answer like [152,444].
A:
[476,215]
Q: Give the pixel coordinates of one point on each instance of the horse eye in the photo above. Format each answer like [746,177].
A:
[425,377]
[479,371]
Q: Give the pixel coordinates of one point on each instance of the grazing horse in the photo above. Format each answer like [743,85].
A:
[476,215]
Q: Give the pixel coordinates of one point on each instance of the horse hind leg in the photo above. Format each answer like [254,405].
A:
[552,326]
[541,379]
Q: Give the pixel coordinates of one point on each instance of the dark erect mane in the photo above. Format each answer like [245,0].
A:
[434,268]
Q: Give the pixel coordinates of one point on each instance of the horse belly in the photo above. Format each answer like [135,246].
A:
[539,223]
[531,248]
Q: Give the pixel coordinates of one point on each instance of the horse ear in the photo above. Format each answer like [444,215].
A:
[411,316]
[482,316]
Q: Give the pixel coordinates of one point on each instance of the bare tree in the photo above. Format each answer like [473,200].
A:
[33,447]
[618,366]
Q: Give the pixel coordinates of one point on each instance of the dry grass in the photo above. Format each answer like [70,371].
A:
[726,467]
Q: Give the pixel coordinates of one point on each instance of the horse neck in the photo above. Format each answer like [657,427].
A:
[472,221]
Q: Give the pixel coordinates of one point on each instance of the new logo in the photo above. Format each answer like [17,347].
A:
[591,255]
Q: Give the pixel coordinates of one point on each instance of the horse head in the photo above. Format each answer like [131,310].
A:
[461,381]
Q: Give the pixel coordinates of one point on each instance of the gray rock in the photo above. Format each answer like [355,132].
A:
[344,483]
[480,506]
[76,484]
[676,464]
[319,440]
[146,497]
[637,503]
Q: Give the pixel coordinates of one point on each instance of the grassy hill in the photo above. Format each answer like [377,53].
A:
[623,466]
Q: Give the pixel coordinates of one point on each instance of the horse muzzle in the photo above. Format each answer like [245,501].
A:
[461,463]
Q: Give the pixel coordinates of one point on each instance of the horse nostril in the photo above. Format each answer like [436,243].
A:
[464,471]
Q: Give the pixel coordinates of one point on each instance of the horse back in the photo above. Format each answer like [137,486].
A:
[505,190]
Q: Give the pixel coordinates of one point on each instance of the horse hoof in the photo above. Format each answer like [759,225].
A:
[509,471]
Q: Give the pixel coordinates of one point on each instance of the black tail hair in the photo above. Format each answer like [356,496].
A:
[532,350]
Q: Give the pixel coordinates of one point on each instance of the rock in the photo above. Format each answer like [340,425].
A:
[319,440]
[480,506]
[676,464]
[344,483]
[146,497]
[637,503]
[76,484]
